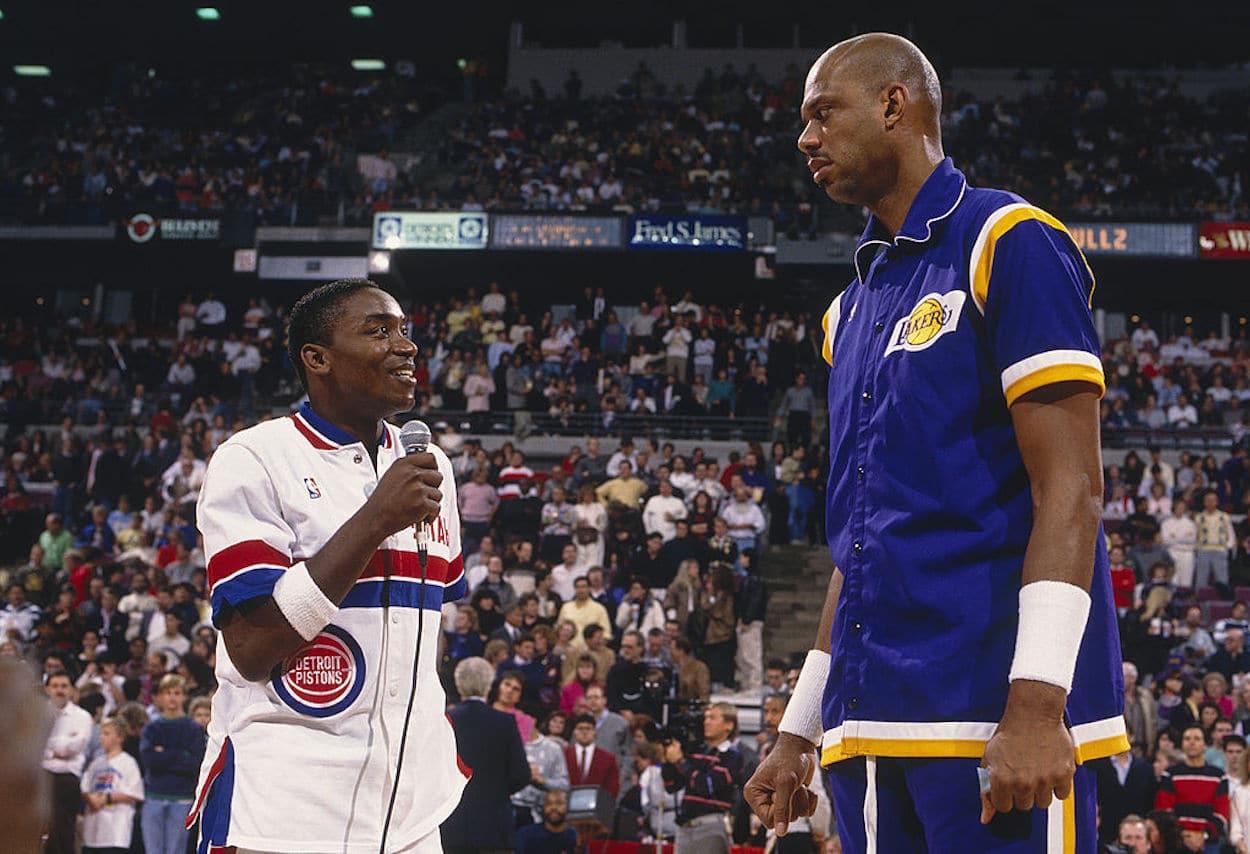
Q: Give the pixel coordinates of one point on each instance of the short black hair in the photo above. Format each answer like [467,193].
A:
[314,315]
[582,719]
[1206,737]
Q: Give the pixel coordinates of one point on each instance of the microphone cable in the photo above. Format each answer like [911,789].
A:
[414,437]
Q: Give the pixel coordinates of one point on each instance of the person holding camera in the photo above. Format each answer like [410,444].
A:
[708,776]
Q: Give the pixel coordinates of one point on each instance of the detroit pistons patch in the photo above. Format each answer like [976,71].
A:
[325,676]
[933,316]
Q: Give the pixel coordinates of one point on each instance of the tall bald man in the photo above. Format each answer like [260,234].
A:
[969,621]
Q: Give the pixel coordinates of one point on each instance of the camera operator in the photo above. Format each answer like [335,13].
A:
[708,776]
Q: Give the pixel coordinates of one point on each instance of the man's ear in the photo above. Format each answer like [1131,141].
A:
[316,358]
[894,104]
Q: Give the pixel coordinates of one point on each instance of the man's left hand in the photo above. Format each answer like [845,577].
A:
[1030,757]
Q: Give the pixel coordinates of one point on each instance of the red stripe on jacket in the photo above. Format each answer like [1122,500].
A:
[242,555]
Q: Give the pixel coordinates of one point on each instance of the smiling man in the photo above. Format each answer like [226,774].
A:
[968,621]
[309,526]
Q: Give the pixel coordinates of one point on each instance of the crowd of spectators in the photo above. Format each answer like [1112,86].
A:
[1184,381]
[1178,542]
[621,580]
[1082,145]
[1096,146]
[728,146]
[585,571]
[263,144]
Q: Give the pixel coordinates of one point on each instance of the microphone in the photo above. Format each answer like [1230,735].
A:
[414,438]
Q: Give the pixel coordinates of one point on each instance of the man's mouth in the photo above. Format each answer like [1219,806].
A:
[405,375]
[820,168]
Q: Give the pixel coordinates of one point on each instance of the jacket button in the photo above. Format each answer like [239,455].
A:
[879,326]
[857,547]
[859,473]
[357,459]
[857,626]
[867,395]
[852,703]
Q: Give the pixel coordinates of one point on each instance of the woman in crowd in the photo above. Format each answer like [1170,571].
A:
[1241,712]
[555,725]
[1215,687]
[701,515]
[1164,833]
[683,596]
[566,635]
[717,606]
[575,688]
[507,697]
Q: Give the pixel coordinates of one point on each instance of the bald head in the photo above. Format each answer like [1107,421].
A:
[878,60]
[872,131]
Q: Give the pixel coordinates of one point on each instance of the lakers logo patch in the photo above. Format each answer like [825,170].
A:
[933,317]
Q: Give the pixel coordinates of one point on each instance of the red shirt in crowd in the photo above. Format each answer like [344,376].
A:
[1122,583]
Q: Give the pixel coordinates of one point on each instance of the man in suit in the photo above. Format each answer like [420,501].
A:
[488,742]
[510,632]
[590,765]
[110,624]
[1126,786]
[611,731]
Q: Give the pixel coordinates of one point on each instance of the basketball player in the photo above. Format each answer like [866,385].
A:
[969,621]
[309,526]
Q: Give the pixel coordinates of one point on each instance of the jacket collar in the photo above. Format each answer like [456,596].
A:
[938,198]
[325,436]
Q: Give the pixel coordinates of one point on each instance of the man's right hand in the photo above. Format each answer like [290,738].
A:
[777,791]
[407,494]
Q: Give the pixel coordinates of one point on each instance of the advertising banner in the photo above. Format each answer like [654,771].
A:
[430,230]
[1224,240]
[693,232]
[148,227]
[1140,239]
[556,231]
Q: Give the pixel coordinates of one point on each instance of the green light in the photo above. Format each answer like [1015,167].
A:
[362,11]
[32,71]
[368,65]
[1,14]
[208,13]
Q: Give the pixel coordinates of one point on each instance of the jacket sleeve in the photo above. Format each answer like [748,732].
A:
[613,783]
[1222,806]
[518,763]
[247,540]
[1165,798]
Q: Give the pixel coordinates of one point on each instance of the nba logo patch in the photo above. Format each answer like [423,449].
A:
[325,676]
[314,491]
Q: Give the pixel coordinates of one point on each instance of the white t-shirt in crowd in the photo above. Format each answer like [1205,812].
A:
[110,826]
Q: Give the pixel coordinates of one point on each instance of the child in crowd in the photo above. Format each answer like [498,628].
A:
[111,786]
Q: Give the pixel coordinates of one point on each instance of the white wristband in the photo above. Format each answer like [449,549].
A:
[1052,624]
[802,715]
[302,602]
